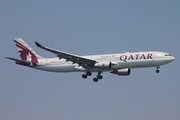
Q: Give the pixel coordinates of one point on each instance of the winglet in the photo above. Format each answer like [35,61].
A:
[37,44]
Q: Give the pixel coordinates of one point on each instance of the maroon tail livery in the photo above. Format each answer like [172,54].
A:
[26,53]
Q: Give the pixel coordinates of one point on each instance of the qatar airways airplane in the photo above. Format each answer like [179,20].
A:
[119,64]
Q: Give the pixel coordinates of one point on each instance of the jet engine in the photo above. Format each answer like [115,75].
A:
[122,72]
[103,65]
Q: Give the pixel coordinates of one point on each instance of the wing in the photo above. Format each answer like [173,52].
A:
[84,62]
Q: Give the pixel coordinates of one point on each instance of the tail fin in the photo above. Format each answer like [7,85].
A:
[26,53]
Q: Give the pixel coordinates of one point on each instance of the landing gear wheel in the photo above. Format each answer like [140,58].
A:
[89,73]
[84,76]
[95,79]
[157,71]
[100,77]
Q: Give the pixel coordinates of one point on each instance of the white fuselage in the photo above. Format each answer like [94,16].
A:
[119,61]
[119,64]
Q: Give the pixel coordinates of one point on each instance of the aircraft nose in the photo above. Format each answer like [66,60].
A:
[172,58]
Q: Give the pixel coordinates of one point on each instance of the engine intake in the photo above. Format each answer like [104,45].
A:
[122,72]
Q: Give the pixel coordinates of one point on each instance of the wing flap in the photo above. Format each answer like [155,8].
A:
[84,62]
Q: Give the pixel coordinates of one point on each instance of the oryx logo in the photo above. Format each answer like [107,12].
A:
[26,54]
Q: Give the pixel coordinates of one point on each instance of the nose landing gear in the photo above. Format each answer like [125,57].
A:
[157,69]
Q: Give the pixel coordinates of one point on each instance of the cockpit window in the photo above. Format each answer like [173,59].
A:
[167,55]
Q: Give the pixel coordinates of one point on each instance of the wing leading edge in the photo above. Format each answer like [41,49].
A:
[84,62]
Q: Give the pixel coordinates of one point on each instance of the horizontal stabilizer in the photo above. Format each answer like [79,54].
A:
[20,62]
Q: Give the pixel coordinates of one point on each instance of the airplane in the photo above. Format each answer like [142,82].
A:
[119,64]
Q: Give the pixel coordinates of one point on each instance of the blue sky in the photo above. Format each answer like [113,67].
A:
[84,28]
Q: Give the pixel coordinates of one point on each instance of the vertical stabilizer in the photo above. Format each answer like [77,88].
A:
[26,53]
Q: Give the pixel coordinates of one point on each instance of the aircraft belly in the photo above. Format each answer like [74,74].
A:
[161,62]
[57,68]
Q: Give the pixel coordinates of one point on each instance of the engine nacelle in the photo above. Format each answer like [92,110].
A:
[123,72]
[103,65]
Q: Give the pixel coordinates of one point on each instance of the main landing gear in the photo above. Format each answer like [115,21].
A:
[87,74]
[157,69]
[99,76]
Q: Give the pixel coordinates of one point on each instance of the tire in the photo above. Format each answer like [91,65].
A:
[100,77]
[157,71]
[84,76]
[89,73]
[95,79]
